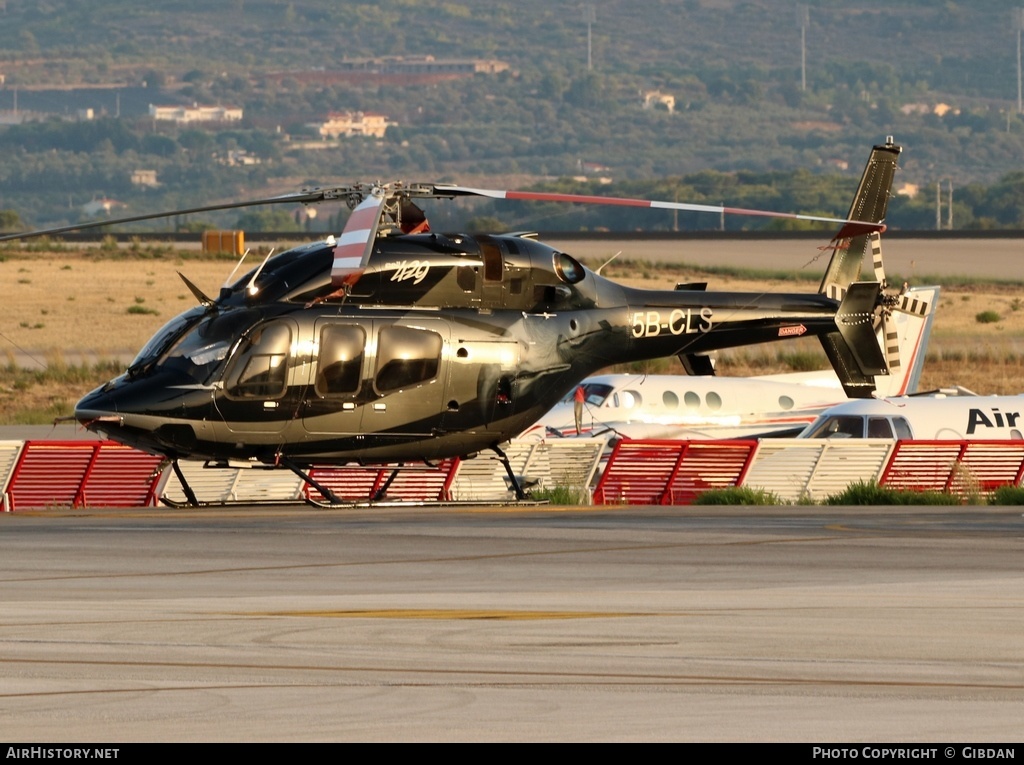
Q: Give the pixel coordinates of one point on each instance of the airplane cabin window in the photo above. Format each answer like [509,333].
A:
[785,403]
[340,363]
[631,398]
[692,400]
[670,400]
[879,427]
[405,357]
[714,401]
[260,367]
[902,428]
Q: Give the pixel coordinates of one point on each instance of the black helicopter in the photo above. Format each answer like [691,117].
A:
[393,343]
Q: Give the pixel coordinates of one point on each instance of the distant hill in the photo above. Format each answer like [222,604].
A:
[940,77]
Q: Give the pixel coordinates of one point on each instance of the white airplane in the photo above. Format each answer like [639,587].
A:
[712,407]
[927,417]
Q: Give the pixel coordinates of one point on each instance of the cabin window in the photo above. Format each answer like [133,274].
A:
[260,368]
[902,428]
[692,400]
[714,401]
[786,403]
[596,394]
[568,268]
[340,363]
[879,427]
[631,398]
[494,263]
[670,400]
[465,276]
[405,357]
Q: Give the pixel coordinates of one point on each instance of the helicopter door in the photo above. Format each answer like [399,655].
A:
[380,391]
[338,386]
[258,394]
[410,374]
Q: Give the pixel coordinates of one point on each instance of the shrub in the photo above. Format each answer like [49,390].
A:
[738,495]
[987,317]
[870,493]
[561,495]
[1007,495]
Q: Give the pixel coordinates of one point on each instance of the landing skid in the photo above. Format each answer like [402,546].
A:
[379,498]
[351,504]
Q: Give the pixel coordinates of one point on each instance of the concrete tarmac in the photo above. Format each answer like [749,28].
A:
[567,624]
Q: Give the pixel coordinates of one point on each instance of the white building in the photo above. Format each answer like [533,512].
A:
[347,124]
[184,115]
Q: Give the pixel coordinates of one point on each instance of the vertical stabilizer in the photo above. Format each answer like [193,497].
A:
[853,349]
[869,205]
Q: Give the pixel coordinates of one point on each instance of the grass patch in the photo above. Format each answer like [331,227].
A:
[1007,495]
[870,493]
[987,317]
[801,361]
[142,310]
[38,396]
[561,495]
[738,495]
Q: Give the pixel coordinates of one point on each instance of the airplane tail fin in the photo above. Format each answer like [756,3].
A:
[854,349]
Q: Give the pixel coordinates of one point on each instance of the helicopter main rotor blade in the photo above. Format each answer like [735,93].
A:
[352,253]
[304,197]
[543,196]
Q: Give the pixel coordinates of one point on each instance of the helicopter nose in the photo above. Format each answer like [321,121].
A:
[98,410]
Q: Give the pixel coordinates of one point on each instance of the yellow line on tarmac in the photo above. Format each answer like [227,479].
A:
[452,613]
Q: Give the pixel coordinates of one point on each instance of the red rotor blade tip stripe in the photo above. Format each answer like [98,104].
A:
[353,243]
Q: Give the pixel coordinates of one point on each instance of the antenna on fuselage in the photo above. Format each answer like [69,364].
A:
[613,257]
[250,288]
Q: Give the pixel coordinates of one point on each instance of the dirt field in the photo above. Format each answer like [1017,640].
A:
[72,308]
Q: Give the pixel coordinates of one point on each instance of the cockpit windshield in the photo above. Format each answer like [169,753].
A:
[201,349]
[596,393]
[163,339]
[845,426]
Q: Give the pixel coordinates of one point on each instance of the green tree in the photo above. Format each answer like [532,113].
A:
[10,221]
[267,220]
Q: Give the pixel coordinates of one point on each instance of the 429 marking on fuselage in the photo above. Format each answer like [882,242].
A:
[408,269]
[679,322]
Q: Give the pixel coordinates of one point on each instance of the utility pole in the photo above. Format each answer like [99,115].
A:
[589,17]
[949,206]
[1018,25]
[802,20]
